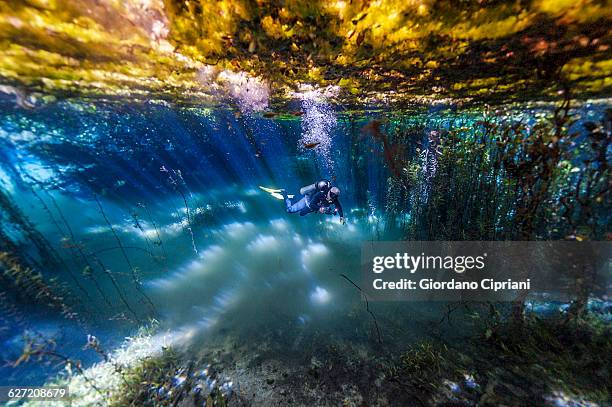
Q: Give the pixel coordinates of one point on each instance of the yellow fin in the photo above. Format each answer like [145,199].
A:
[270,190]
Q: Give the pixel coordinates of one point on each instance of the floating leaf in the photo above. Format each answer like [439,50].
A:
[312,145]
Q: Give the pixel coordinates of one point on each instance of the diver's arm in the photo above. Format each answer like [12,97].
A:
[340,211]
[339,207]
[329,211]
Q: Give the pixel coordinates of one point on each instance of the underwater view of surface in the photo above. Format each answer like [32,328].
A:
[148,256]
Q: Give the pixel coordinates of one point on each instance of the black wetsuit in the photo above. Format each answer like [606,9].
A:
[312,203]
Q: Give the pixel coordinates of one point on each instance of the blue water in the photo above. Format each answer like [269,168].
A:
[239,262]
[216,256]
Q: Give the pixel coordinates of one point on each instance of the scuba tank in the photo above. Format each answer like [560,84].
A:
[322,186]
[308,189]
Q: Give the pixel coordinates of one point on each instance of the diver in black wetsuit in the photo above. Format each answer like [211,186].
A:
[317,197]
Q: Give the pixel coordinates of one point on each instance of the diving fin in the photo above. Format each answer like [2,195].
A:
[279,196]
[270,190]
[276,193]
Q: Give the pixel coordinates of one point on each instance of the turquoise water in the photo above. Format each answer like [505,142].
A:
[152,211]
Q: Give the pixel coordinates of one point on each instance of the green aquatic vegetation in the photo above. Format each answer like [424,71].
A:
[151,373]
[70,243]
[159,242]
[544,355]
[424,371]
[501,178]
[15,226]
[31,285]
[116,285]
[530,157]
[367,307]
[137,224]
[13,220]
[78,250]
[143,381]
[510,363]
[586,190]
[133,270]
[423,366]
[42,350]
[11,314]
[175,178]
[394,50]
[498,177]
[99,383]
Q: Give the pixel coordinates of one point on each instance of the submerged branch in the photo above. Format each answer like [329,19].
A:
[365,297]
[135,279]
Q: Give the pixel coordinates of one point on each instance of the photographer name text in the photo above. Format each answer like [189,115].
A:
[457,264]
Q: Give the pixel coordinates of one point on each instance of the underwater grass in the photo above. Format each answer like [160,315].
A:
[167,379]
[105,380]
[571,355]
[31,284]
[512,364]
[144,379]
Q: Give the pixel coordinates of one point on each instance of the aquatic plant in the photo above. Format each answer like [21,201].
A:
[367,307]
[149,382]
[547,354]
[389,50]
[32,286]
[584,200]
[508,362]
[47,255]
[421,370]
[146,370]
[116,285]
[159,242]
[102,381]
[175,178]
[137,223]
[69,242]
[11,315]
[167,380]
[497,178]
[78,251]
[43,350]
[13,218]
[587,187]
[94,343]
[133,273]
[500,179]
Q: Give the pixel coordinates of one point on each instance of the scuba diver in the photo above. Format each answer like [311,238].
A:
[319,197]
